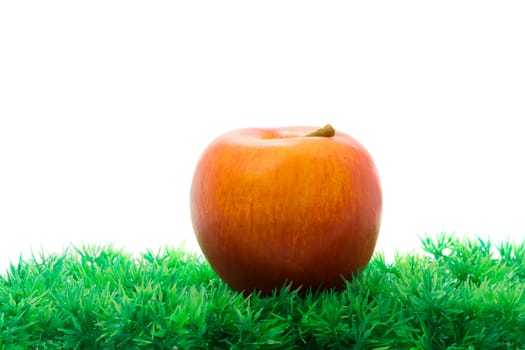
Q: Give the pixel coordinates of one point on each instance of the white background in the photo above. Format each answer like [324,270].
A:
[106,106]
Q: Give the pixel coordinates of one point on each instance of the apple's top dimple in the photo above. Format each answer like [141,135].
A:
[274,134]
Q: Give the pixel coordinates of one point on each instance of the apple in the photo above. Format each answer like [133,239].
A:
[286,205]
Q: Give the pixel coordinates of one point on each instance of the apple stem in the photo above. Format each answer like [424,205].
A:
[325,131]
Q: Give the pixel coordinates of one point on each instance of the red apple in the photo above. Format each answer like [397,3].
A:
[286,205]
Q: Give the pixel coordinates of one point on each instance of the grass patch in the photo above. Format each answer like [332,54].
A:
[454,295]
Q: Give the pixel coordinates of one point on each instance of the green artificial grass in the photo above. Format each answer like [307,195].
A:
[455,294]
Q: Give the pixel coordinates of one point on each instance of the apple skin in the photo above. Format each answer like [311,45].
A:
[272,206]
